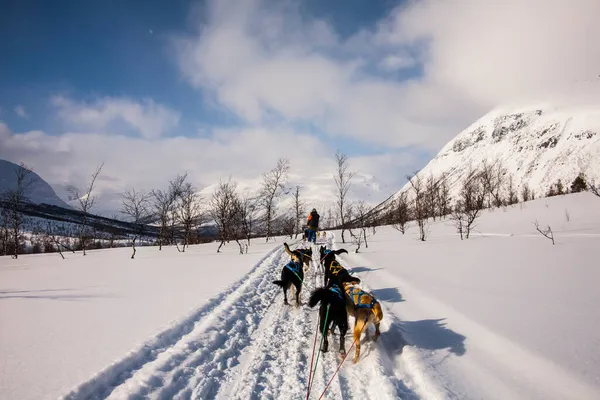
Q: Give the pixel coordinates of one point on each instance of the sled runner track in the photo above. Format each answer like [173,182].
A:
[246,344]
[276,364]
[205,331]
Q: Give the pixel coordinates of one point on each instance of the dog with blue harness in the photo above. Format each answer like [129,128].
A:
[292,275]
[332,312]
[366,310]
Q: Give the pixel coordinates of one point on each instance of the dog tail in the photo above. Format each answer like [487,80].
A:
[279,283]
[340,251]
[378,311]
[287,249]
[319,295]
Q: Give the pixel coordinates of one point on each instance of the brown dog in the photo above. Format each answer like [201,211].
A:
[365,308]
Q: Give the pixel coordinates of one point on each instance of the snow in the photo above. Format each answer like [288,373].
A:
[504,314]
[537,144]
[63,320]
[38,190]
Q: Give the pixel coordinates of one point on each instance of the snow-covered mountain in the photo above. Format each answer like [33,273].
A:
[537,145]
[38,192]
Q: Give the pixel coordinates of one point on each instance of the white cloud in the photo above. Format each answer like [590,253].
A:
[20,111]
[258,59]
[245,154]
[149,119]
[396,62]
[517,50]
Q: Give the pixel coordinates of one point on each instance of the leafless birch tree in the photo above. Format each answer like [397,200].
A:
[53,238]
[272,187]
[400,212]
[593,188]
[14,199]
[162,205]
[419,204]
[188,211]
[547,233]
[470,202]
[493,178]
[137,206]
[85,203]
[342,178]
[224,210]
[298,210]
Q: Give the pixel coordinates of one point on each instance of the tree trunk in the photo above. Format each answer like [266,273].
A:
[133,247]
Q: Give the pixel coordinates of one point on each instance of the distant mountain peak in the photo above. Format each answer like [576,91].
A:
[38,192]
[538,144]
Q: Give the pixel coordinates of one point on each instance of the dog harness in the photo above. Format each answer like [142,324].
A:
[335,289]
[335,268]
[294,267]
[303,252]
[360,298]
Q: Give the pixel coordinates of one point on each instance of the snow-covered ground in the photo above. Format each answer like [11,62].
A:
[502,315]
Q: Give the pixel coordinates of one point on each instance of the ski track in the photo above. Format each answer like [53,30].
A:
[246,344]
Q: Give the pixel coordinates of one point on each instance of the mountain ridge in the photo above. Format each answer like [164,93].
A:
[38,192]
[537,145]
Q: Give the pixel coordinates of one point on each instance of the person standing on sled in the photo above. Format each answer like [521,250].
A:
[313,225]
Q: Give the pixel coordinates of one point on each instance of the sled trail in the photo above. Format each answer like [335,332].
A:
[246,344]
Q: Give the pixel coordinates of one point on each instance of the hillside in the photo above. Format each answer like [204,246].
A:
[537,145]
[38,191]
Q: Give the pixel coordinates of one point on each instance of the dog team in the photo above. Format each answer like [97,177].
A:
[340,295]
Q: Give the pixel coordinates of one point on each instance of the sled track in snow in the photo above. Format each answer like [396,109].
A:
[175,342]
[246,344]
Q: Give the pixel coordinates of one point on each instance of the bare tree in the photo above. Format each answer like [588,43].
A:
[545,232]
[432,196]
[272,187]
[342,179]
[512,192]
[224,210]
[53,238]
[400,212]
[526,193]
[459,217]
[85,203]
[4,228]
[419,208]
[470,203]
[288,224]
[493,177]
[188,211]
[298,210]
[361,211]
[240,225]
[13,219]
[248,208]
[443,192]
[593,188]
[136,205]
[162,204]
[176,186]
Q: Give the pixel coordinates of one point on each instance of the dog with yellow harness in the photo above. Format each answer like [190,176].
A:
[366,310]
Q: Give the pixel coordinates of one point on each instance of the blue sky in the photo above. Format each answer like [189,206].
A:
[88,49]
[225,87]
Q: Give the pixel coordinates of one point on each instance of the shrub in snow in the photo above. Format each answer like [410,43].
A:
[579,184]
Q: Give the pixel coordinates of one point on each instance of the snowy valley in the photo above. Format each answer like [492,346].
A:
[505,314]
